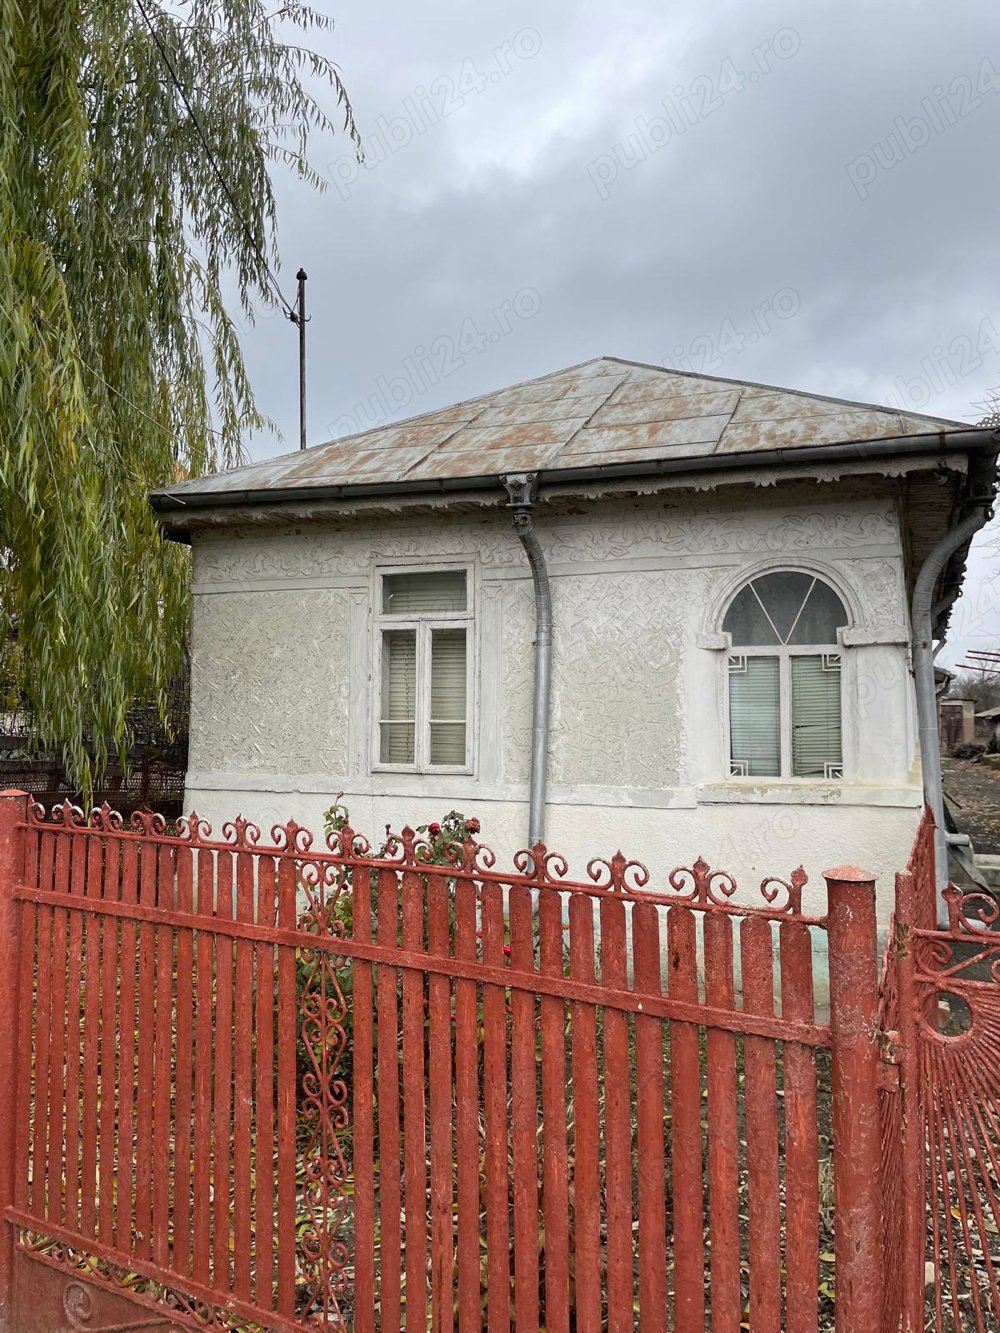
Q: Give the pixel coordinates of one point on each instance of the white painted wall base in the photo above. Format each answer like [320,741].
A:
[749,841]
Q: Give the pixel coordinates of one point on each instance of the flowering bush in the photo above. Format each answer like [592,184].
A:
[454,828]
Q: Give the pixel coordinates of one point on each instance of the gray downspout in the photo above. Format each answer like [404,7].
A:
[522,488]
[922,644]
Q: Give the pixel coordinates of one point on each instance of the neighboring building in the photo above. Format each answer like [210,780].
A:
[988,729]
[958,723]
[731,567]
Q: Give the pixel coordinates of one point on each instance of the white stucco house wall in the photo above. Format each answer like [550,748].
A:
[730,569]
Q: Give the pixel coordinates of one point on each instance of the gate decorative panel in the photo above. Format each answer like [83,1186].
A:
[941,1006]
[955,1003]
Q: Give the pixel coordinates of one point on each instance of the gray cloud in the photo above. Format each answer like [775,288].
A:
[790,182]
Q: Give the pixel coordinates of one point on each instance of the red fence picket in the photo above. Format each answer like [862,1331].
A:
[301,1086]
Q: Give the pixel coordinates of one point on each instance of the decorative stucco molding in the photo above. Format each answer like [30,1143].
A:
[336,552]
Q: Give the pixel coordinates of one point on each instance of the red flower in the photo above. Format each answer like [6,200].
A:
[506,951]
[473,826]
[433,829]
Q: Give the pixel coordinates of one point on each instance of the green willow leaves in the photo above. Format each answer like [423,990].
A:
[120,363]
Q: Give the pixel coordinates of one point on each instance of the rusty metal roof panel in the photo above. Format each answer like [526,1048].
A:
[644,435]
[495,439]
[555,389]
[633,453]
[542,409]
[477,463]
[366,466]
[704,406]
[787,432]
[606,411]
[775,405]
[642,392]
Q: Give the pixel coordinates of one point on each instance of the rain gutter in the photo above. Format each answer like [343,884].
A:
[175,508]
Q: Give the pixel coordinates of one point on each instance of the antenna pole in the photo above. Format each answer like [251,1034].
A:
[301,321]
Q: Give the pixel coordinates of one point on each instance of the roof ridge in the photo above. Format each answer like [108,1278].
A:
[780,388]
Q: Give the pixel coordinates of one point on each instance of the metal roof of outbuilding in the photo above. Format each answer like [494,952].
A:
[602,414]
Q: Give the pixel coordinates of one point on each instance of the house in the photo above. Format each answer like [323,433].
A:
[615,606]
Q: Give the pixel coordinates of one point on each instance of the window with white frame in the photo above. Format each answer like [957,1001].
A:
[784,677]
[424,663]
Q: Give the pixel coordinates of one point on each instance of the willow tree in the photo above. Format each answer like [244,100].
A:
[136,142]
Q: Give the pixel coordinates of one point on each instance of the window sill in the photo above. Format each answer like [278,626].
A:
[799,791]
[410,770]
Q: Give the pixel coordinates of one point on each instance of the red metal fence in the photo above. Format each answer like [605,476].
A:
[305,1086]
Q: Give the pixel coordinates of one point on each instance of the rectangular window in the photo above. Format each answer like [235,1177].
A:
[754,716]
[424,667]
[816,747]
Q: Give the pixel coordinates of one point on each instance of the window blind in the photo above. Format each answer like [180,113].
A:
[755,716]
[816,744]
[448,690]
[423,594]
[399,696]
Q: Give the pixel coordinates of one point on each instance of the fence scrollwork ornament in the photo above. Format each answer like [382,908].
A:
[81,1308]
[702,886]
[292,837]
[618,874]
[970,912]
[771,891]
[194,828]
[241,833]
[104,818]
[324,1255]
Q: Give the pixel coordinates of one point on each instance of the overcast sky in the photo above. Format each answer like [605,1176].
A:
[804,195]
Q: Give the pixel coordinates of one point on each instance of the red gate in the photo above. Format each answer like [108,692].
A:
[249,1085]
[941,1112]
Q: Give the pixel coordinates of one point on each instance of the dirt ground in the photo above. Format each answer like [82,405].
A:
[973,795]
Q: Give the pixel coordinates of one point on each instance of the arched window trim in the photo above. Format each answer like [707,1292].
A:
[829,658]
[718,605]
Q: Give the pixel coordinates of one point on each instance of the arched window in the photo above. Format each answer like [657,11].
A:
[784,677]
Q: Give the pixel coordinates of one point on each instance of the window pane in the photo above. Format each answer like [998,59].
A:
[421,594]
[448,686]
[448,743]
[822,615]
[399,696]
[816,746]
[397,743]
[754,716]
[783,594]
[746,622]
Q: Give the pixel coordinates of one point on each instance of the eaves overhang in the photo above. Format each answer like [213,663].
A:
[177,513]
